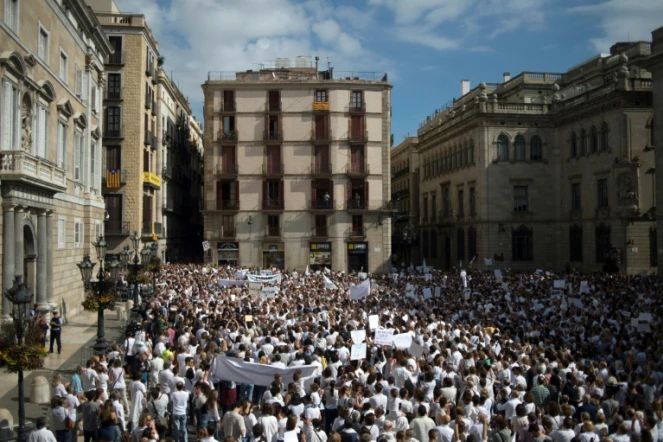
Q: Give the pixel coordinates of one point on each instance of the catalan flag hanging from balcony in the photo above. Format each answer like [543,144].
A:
[112,178]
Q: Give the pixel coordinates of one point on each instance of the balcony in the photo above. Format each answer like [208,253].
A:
[320,233]
[147,139]
[272,171]
[321,137]
[357,108]
[227,205]
[117,228]
[114,132]
[17,165]
[274,205]
[114,94]
[272,136]
[273,108]
[167,171]
[321,106]
[229,137]
[150,227]
[321,169]
[355,233]
[320,205]
[115,59]
[151,180]
[358,170]
[149,69]
[229,107]
[227,170]
[273,232]
[357,137]
[357,205]
[114,178]
[227,232]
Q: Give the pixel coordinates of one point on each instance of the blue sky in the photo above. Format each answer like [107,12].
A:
[426,46]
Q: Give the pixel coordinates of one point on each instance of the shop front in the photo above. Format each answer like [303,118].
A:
[320,255]
[273,256]
[227,253]
[357,256]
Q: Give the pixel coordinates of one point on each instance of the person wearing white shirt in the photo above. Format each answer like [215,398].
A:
[165,378]
[378,399]
[565,433]
[41,434]
[444,431]
[89,377]
[180,400]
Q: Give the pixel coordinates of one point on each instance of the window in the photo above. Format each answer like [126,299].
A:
[460,244]
[522,246]
[62,145]
[320,225]
[78,85]
[471,152]
[473,203]
[519,148]
[583,142]
[471,242]
[502,148]
[575,196]
[604,136]
[93,164]
[64,65]
[446,202]
[357,100]
[602,192]
[593,140]
[321,96]
[357,225]
[461,203]
[426,243]
[11,14]
[41,135]
[535,148]
[78,156]
[98,230]
[62,232]
[114,209]
[433,202]
[112,125]
[10,116]
[425,209]
[602,242]
[273,225]
[78,233]
[42,50]
[433,244]
[575,243]
[520,199]
[574,145]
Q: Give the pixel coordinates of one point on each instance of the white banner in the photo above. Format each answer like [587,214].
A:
[271,279]
[230,283]
[236,370]
[360,291]
[254,289]
[268,292]
[384,337]
[403,341]
[329,284]
[358,336]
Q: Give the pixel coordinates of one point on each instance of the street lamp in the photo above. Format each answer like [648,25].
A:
[101,286]
[21,298]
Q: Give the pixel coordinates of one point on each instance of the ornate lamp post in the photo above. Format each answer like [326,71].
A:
[21,299]
[103,288]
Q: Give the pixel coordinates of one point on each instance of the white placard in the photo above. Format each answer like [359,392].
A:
[644,328]
[416,350]
[635,322]
[645,317]
[362,275]
[437,292]
[584,287]
[403,341]
[498,274]
[269,292]
[576,302]
[559,284]
[384,337]
[358,351]
[428,277]
[427,293]
[360,291]
[373,322]
[358,336]
[497,348]
[232,298]
[254,289]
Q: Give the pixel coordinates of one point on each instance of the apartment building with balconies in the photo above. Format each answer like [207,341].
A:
[52,80]
[544,169]
[297,168]
[405,200]
[131,160]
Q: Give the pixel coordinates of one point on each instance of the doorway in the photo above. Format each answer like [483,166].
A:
[29,258]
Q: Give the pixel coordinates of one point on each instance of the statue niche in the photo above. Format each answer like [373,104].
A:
[26,123]
[627,191]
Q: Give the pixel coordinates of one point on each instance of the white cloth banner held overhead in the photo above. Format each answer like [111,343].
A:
[240,372]
[268,292]
[329,284]
[271,279]
[360,291]
[230,283]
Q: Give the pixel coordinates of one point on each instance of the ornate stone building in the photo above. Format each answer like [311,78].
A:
[52,79]
[297,168]
[655,65]
[544,169]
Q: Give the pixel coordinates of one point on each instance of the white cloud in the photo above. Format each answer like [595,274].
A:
[425,38]
[622,20]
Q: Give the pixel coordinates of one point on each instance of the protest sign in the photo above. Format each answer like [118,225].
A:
[403,341]
[358,351]
[360,291]
[427,293]
[498,275]
[645,317]
[254,289]
[584,287]
[416,350]
[268,292]
[437,292]
[373,321]
[358,336]
[559,284]
[384,337]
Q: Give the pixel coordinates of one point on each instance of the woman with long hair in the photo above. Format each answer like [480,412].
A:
[116,382]
[107,423]
[57,387]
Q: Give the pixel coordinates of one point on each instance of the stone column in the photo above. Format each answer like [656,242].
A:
[42,254]
[7,257]
[50,296]
[19,248]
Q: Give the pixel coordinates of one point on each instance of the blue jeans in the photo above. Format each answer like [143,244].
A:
[246,392]
[179,428]
[63,435]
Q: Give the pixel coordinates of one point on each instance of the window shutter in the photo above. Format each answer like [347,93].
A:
[60,147]
[97,104]
[85,85]
[366,194]
[348,191]
[93,166]
[64,146]
[331,189]
[264,193]
[281,202]
[77,156]
[7,113]
[219,195]
[79,82]
[42,132]
[93,98]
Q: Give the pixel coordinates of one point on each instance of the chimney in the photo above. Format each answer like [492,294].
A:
[506,77]
[464,87]
[317,64]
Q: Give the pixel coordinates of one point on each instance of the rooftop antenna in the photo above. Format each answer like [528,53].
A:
[328,64]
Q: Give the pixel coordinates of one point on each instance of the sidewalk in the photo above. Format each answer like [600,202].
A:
[78,333]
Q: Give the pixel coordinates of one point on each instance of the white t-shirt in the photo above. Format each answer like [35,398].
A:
[180,400]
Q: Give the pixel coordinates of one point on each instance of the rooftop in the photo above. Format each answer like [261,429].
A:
[296,74]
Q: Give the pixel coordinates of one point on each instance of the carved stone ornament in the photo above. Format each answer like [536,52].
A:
[627,191]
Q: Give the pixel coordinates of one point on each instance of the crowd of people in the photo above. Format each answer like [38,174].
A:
[494,356]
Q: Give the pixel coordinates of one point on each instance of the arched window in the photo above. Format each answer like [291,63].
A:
[574,145]
[522,244]
[583,142]
[593,140]
[502,148]
[519,148]
[536,148]
[605,131]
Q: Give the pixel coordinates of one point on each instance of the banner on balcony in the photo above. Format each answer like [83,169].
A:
[112,178]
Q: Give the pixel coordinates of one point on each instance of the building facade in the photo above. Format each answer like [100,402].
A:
[297,169]
[405,241]
[544,170]
[655,65]
[52,79]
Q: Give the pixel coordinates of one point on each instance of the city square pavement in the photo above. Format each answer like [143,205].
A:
[78,335]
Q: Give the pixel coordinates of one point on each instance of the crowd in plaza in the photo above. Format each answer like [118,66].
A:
[419,355]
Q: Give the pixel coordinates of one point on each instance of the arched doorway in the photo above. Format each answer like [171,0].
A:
[29,257]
